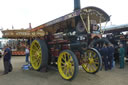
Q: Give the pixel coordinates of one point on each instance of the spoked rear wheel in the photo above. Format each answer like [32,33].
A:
[38,54]
[67,65]
[92,61]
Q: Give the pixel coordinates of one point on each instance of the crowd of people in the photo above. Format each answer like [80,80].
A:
[107,53]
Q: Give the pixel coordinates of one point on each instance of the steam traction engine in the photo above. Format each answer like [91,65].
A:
[66,43]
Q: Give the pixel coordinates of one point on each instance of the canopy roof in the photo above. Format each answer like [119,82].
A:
[117,28]
[69,19]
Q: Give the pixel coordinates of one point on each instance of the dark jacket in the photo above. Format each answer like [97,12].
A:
[104,52]
[110,51]
[7,56]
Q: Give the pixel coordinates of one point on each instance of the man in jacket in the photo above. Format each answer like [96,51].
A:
[110,55]
[7,60]
[122,54]
[104,53]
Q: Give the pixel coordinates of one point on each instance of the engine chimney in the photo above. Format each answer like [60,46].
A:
[76,4]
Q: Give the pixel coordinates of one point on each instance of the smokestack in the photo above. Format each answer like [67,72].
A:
[30,27]
[76,4]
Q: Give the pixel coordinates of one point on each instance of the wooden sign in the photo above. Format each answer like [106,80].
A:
[22,33]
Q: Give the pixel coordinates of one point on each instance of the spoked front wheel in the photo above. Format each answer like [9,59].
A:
[67,65]
[92,61]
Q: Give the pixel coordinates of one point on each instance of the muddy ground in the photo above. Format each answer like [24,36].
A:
[18,76]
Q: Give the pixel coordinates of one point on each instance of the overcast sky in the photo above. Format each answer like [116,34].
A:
[21,12]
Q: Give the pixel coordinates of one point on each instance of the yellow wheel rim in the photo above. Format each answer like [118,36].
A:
[35,55]
[66,65]
[91,61]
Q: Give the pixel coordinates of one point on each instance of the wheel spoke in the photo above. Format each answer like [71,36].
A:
[65,68]
[39,54]
[94,66]
[35,60]
[93,69]
[34,50]
[38,62]
[39,49]
[71,68]
[93,55]
[89,67]
[70,59]
[96,58]
[96,62]
[62,62]
[64,58]
[86,65]
[67,72]
[35,47]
